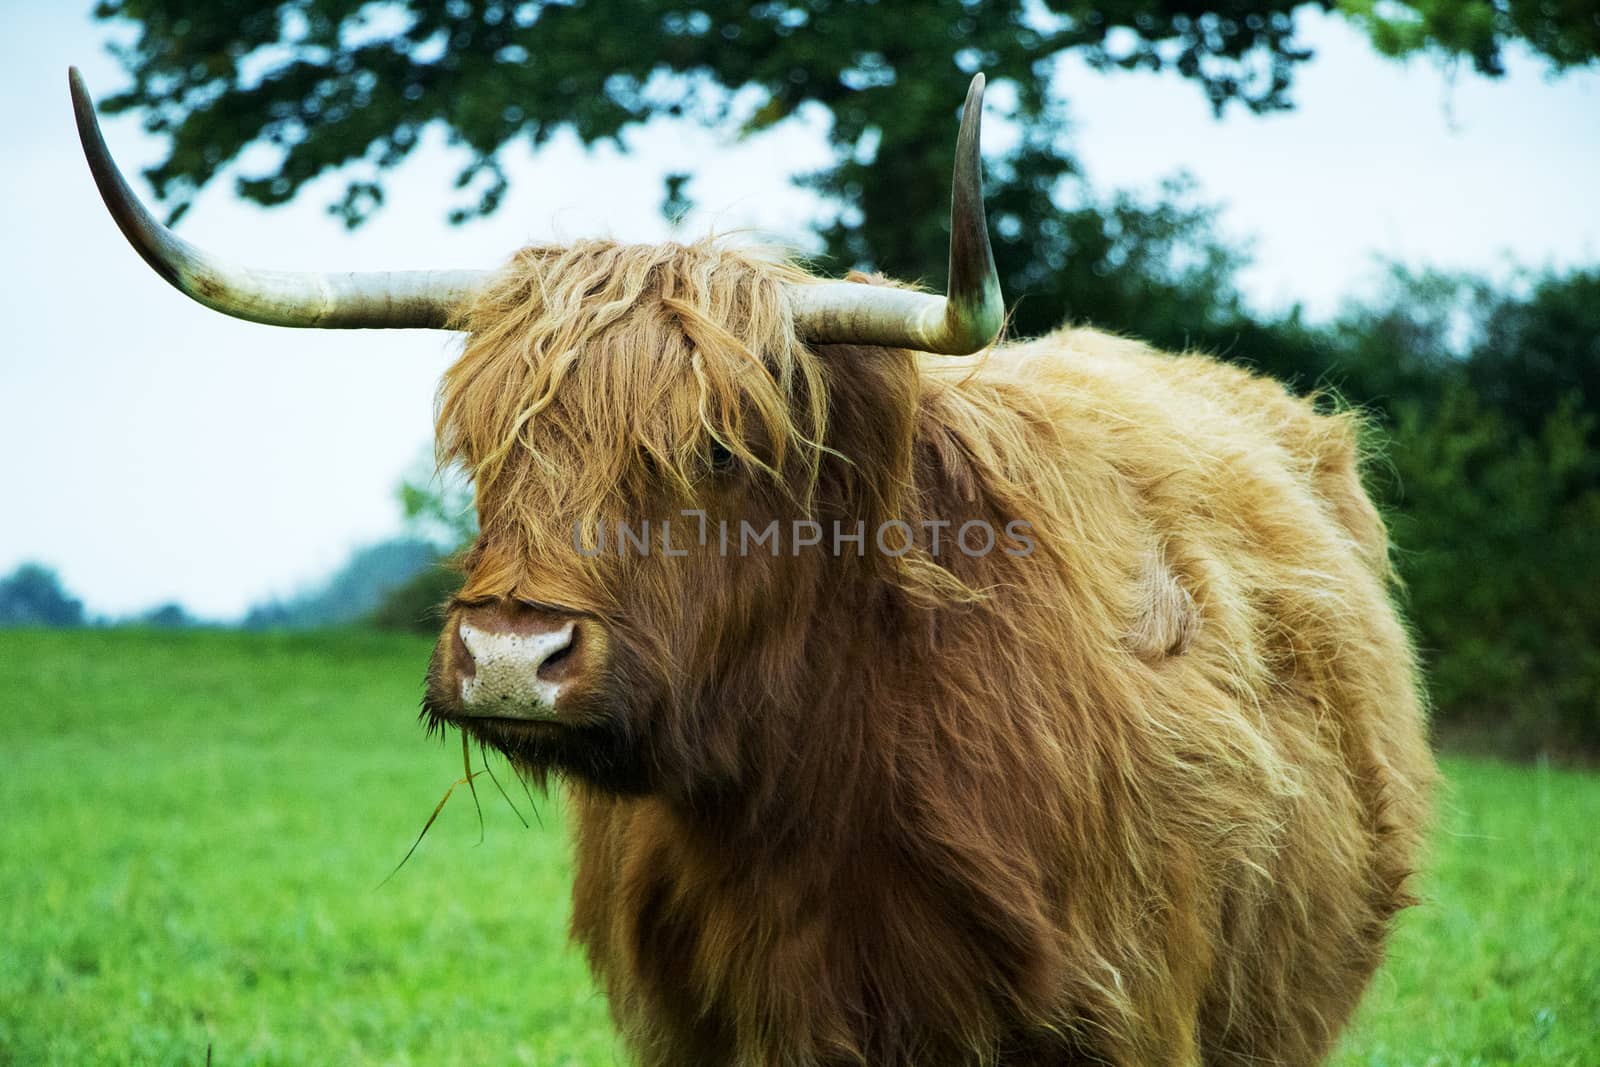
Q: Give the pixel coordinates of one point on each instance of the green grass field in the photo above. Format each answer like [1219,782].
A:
[195,826]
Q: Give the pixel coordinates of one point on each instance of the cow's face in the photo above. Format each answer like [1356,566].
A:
[660,390]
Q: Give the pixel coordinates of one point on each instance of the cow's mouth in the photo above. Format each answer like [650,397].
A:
[499,731]
[507,733]
[598,748]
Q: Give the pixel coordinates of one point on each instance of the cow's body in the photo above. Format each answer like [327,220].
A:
[1151,799]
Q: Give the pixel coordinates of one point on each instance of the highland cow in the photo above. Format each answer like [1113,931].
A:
[1140,778]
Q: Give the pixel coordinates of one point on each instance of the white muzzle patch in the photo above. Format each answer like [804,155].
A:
[505,682]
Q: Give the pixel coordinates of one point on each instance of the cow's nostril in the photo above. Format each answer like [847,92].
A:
[553,666]
[461,653]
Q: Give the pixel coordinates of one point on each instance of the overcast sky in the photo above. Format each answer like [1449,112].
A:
[154,450]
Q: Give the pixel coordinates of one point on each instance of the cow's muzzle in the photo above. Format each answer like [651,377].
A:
[511,660]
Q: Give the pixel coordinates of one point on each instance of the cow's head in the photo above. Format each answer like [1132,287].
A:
[637,421]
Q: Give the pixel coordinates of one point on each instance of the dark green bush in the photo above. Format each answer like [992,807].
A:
[417,606]
[1499,537]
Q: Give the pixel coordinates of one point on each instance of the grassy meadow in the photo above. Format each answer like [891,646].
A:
[196,825]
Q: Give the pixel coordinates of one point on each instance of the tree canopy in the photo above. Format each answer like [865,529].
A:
[347,86]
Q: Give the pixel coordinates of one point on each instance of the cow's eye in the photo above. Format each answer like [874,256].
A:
[721,459]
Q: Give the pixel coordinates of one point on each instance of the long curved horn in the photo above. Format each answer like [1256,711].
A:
[966,319]
[351,300]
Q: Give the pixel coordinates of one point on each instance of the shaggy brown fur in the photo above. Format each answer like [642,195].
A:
[1149,795]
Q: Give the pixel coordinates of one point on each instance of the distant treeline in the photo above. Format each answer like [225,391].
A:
[354,595]
[32,595]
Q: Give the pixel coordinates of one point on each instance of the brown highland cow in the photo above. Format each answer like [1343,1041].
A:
[1043,706]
